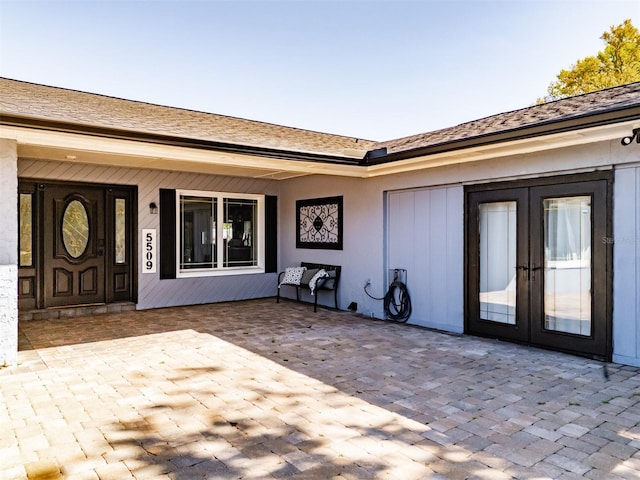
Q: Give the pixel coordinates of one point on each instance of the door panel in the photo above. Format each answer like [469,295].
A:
[536,271]
[569,267]
[498,226]
[74,245]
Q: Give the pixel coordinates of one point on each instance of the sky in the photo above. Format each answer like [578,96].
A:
[372,69]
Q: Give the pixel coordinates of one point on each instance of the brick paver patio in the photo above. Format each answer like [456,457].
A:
[259,390]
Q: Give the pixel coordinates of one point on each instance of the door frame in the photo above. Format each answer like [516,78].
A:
[33,276]
[605,290]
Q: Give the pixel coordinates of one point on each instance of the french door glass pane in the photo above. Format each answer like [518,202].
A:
[498,262]
[567,264]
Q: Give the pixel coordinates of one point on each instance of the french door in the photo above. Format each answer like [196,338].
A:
[537,265]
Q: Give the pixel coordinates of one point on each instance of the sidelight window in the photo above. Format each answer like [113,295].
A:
[120,243]
[26,229]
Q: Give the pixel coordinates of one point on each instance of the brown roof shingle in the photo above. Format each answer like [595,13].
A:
[552,112]
[70,106]
[33,101]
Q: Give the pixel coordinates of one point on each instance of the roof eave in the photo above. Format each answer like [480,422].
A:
[588,120]
[169,140]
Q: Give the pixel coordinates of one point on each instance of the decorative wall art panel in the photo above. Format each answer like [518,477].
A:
[319,223]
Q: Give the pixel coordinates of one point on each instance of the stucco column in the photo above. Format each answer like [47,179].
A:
[9,252]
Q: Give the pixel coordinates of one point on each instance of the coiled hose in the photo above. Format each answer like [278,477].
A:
[397,302]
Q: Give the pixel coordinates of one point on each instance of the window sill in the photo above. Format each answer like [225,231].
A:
[220,272]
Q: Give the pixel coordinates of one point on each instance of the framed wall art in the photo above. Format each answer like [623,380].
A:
[319,223]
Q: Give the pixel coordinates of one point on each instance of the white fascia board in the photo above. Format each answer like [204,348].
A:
[508,148]
[151,155]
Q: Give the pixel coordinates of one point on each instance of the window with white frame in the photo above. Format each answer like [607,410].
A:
[219,233]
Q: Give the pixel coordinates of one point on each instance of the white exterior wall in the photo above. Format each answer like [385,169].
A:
[626,266]
[435,261]
[370,248]
[8,253]
[440,198]
[425,236]
[153,292]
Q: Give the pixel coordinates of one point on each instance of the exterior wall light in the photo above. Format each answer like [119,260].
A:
[153,208]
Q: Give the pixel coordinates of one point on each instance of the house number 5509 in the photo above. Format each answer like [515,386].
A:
[149,250]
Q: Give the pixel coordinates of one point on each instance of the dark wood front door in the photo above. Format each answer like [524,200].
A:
[74,252]
[76,244]
[537,263]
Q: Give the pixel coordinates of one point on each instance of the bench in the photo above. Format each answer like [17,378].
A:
[323,284]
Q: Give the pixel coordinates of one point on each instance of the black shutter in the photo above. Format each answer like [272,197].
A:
[167,233]
[271,234]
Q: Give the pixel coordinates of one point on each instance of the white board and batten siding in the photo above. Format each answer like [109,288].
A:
[425,236]
[626,266]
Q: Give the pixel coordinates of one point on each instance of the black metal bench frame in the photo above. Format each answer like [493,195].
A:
[320,285]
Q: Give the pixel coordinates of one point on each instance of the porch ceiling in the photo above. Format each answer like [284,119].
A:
[89,149]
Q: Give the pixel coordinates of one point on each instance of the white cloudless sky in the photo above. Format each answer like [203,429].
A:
[368,69]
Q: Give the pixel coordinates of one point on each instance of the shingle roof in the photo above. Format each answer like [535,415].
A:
[70,106]
[566,109]
[23,99]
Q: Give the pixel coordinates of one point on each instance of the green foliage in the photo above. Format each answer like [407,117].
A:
[618,64]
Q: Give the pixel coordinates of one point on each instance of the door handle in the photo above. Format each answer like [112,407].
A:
[525,269]
[533,271]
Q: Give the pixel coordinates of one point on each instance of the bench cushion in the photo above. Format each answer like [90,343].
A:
[308,274]
[316,280]
[330,282]
[293,275]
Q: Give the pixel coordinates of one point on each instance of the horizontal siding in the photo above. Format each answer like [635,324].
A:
[153,292]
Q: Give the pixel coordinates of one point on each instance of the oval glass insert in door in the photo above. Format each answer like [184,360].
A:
[75,229]
[567,265]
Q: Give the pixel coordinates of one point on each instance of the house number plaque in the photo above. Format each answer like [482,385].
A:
[149,251]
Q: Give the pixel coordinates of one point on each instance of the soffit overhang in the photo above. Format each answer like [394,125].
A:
[41,144]
[46,143]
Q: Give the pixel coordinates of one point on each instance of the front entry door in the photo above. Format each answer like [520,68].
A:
[74,253]
[537,264]
[76,244]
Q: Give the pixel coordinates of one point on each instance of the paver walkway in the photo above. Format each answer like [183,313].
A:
[262,390]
